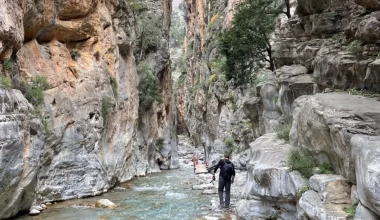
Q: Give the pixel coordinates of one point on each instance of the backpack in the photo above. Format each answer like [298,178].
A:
[228,170]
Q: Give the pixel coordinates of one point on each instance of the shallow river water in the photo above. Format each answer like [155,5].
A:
[165,195]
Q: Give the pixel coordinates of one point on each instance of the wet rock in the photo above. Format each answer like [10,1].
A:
[106,204]
[209,192]
[203,186]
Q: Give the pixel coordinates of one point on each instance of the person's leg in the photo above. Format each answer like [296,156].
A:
[220,190]
[227,184]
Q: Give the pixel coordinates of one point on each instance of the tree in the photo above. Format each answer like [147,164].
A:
[246,44]
[149,86]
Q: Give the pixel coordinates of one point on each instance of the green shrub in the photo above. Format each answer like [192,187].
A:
[229,142]
[8,65]
[303,190]
[351,211]
[302,162]
[149,86]
[106,107]
[46,126]
[283,131]
[114,85]
[363,92]
[160,143]
[326,168]
[6,82]
[135,5]
[74,53]
[355,46]
[35,90]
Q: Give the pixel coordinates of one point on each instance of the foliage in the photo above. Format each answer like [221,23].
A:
[35,90]
[229,142]
[365,93]
[283,131]
[177,30]
[74,53]
[8,65]
[114,85]
[149,86]
[339,37]
[302,162]
[351,211]
[303,190]
[355,46]
[326,168]
[106,107]
[160,143]
[6,82]
[246,44]
[46,126]
[135,5]
[218,66]
[150,33]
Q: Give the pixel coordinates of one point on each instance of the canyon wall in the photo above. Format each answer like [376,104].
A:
[324,89]
[89,132]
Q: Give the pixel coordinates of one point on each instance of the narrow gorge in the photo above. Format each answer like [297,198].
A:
[96,94]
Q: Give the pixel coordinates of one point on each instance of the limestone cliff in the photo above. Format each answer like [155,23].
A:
[326,58]
[89,133]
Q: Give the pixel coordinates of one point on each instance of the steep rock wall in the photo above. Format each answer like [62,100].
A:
[91,137]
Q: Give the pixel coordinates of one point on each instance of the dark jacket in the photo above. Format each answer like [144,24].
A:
[221,164]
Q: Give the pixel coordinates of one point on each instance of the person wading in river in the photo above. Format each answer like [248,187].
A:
[226,178]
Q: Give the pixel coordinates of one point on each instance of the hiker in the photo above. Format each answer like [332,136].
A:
[226,178]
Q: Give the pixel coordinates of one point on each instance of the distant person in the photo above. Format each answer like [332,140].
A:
[226,178]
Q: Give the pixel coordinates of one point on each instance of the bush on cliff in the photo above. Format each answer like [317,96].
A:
[35,90]
[149,86]
[6,82]
[302,162]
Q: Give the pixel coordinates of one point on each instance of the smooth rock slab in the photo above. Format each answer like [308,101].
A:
[203,186]
[362,213]
[366,154]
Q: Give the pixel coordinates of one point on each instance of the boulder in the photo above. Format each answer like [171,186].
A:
[105,204]
[34,212]
[366,155]
[324,124]
[313,208]
[331,188]
[268,174]
[251,209]
[368,31]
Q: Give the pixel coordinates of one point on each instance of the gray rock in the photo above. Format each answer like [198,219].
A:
[21,146]
[324,124]
[269,177]
[203,186]
[314,208]
[371,4]
[254,209]
[363,213]
[365,152]
[331,188]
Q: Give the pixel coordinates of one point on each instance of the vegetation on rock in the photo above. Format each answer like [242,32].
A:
[351,211]
[106,107]
[74,53]
[302,162]
[114,85]
[283,131]
[35,90]
[149,86]
[6,82]
[8,65]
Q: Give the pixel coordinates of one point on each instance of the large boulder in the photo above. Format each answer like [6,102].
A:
[324,124]
[312,207]
[363,213]
[21,145]
[331,188]
[365,152]
[371,4]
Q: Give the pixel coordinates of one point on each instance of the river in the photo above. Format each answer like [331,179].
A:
[164,195]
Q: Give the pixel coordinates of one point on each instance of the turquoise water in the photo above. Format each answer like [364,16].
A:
[165,195]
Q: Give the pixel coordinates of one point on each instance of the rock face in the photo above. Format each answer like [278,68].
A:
[325,123]
[21,145]
[270,182]
[96,135]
